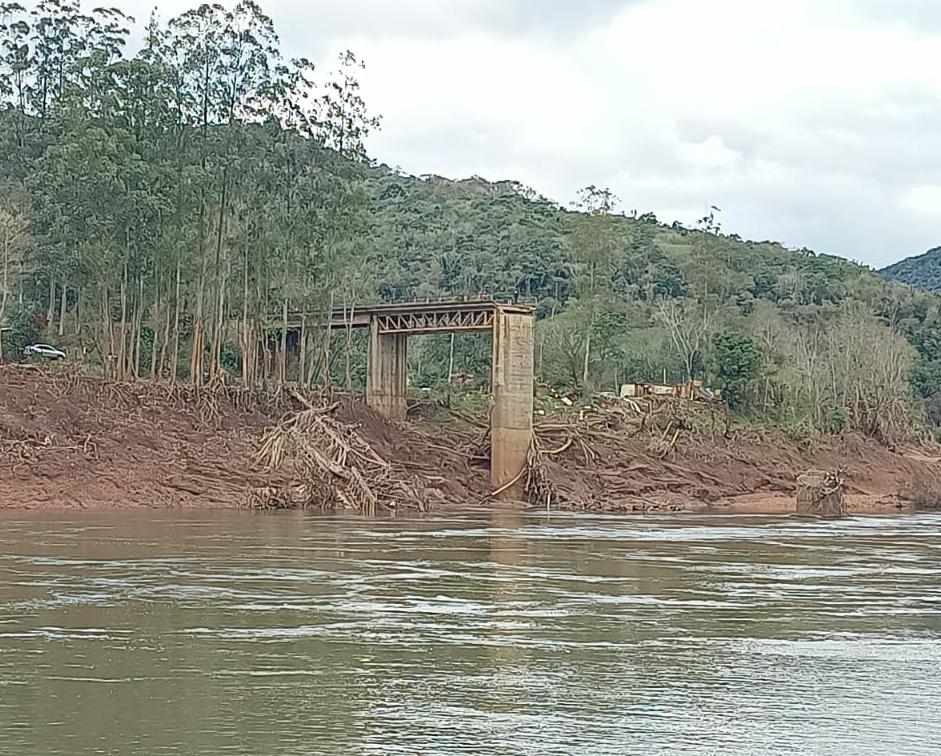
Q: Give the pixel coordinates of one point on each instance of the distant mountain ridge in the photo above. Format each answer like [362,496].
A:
[920,272]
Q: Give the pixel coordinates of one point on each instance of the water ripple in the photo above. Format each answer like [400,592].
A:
[468,633]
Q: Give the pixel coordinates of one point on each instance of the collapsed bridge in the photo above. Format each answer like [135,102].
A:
[511,327]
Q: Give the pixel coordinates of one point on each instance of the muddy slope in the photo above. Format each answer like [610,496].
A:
[75,441]
[741,475]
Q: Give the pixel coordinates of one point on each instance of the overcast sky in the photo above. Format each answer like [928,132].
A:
[812,122]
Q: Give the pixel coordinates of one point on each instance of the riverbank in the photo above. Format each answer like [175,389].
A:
[68,440]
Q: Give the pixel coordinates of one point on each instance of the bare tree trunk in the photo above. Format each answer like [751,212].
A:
[108,336]
[314,360]
[215,348]
[80,302]
[162,367]
[196,358]
[62,304]
[250,353]
[248,356]
[5,293]
[302,368]
[349,348]
[326,344]
[156,353]
[133,344]
[219,332]
[157,348]
[79,305]
[122,353]
[283,357]
[542,350]
[587,355]
[50,310]
[176,324]
[137,327]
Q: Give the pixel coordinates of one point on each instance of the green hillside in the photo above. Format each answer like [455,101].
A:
[159,212]
[921,271]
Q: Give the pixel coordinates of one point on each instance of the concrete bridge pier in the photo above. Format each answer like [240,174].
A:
[511,420]
[386,371]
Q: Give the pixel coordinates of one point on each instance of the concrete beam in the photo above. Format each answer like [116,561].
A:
[511,421]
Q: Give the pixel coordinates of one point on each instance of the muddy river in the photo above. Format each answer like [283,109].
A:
[499,633]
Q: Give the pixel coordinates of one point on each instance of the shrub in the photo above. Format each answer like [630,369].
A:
[20,332]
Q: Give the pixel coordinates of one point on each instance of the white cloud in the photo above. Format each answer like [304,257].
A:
[816,123]
[924,199]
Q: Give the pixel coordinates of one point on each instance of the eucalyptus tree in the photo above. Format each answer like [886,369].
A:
[13,240]
[16,61]
[345,121]
[595,238]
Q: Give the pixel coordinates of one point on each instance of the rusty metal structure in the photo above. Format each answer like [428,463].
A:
[511,326]
[418,318]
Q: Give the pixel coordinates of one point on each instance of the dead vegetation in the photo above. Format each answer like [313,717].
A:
[335,467]
[600,439]
[71,439]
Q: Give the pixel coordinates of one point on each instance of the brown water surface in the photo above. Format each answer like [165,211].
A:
[492,633]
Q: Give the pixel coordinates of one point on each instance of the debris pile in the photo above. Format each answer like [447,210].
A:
[334,467]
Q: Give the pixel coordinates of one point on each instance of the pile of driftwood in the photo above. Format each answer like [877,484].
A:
[609,426]
[333,467]
[565,435]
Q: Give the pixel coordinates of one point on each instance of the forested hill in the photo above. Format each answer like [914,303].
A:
[921,271]
[162,211]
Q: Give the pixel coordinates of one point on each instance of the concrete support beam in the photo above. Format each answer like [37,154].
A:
[511,422]
[386,372]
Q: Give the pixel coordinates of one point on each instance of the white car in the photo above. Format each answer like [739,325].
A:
[45,351]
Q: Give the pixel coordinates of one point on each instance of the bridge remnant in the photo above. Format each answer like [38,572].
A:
[511,326]
[511,418]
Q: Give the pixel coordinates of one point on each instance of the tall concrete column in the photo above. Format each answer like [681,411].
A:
[511,422]
[386,372]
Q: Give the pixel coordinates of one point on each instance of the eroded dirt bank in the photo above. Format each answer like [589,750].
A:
[74,441]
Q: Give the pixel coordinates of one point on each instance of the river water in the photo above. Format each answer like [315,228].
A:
[493,633]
